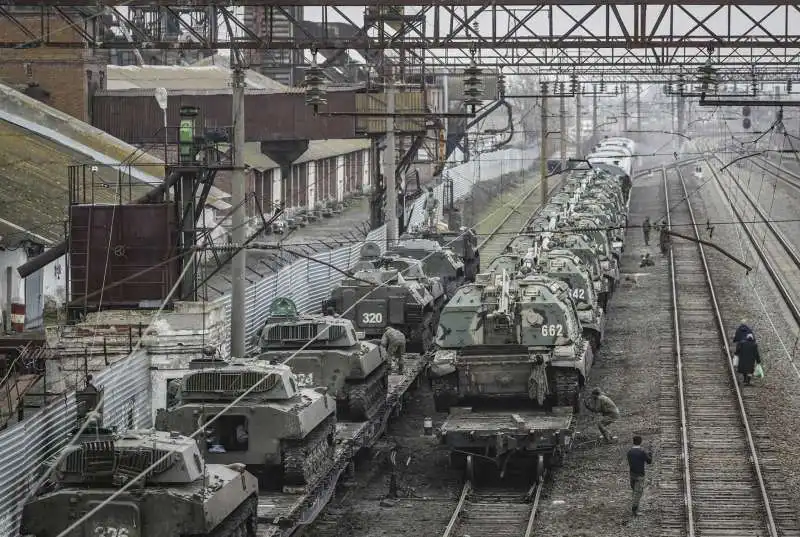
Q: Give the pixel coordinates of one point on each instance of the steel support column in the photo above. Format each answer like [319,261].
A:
[543,145]
[562,116]
[238,231]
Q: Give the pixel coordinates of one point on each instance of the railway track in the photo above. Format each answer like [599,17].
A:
[723,487]
[500,512]
[783,264]
[518,216]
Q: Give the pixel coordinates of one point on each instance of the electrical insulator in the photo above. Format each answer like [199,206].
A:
[788,86]
[602,86]
[746,111]
[779,115]
[561,88]
[573,84]
[314,81]
[501,85]
[473,86]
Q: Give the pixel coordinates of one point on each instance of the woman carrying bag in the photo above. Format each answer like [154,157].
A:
[747,357]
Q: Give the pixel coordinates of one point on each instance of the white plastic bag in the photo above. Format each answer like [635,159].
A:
[735,360]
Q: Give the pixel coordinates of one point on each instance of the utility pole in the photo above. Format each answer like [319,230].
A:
[562,114]
[543,146]
[624,108]
[638,106]
[595,130]
[239,233]
[389,169]
[578,116]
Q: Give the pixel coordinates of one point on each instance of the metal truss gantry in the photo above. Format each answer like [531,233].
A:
[553,37]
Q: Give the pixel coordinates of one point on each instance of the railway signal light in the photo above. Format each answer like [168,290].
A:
[746,123]
[746,111]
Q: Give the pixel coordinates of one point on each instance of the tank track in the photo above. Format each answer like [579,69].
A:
[566,387]
[241,522]
[445,392]
[304,461]
[364,399]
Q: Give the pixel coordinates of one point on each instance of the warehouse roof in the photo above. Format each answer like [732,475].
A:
[173,77]
[317,150]
[37,145]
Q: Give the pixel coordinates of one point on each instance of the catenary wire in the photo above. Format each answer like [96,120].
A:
[238,399]
[92,415]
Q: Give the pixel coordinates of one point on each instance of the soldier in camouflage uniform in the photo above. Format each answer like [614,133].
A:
[609,413]
[431,204]
[394,344]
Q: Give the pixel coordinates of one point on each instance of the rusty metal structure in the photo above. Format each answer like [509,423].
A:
[627,38]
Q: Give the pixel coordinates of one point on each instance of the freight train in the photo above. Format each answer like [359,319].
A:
[524,334]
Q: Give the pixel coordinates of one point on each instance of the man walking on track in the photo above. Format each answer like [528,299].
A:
[638,458]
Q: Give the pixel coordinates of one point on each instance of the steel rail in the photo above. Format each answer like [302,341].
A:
[759,162]
[687,478]
[754,457]
[514,210]
[773,272]
[464,504]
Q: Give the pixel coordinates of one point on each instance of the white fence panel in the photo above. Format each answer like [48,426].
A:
[23,449]
[126,393]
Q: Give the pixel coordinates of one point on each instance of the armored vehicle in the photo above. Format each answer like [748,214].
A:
[603,278]
[283,434]
[436,261]
[395,293]
[499,339]
[614,228]
[463,242]
[325,352]
[181,496]
[565,266]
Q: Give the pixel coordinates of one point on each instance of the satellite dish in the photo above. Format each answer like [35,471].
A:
[161,98]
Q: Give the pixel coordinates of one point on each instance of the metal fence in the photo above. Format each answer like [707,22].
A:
[23,449]
[308,283]
[26,445]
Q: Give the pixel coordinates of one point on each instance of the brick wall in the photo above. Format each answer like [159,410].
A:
[61,72]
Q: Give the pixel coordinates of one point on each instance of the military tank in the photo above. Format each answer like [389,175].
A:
[500,339]
[284,434]
[463,242]
[396,292]
[181,496]
[325,351]
[603,276]
[436,260]
[566,266]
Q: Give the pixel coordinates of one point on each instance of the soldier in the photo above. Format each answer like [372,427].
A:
[431,204]
[663,239]
[646,230]
[638,458]
[394,344]
[603,405]
[646,261]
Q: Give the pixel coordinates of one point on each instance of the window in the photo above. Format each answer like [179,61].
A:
[228,433]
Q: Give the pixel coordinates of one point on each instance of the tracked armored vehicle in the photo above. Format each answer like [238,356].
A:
[396,293]
[566,266]
[513,340]
[599,265]
[283,434]
[325,352]
[463,242]
[436,260]
[181,496]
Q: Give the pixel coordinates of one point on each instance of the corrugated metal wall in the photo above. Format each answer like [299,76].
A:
[23,448]
[127,383]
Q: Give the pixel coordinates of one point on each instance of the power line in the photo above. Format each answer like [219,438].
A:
[169,454]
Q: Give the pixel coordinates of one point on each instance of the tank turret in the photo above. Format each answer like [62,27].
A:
[437,261]
[510,339]
[325,351]
[597,260]
[565,266]
[283,433]
[181,496]
[463,242]
[396,292]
